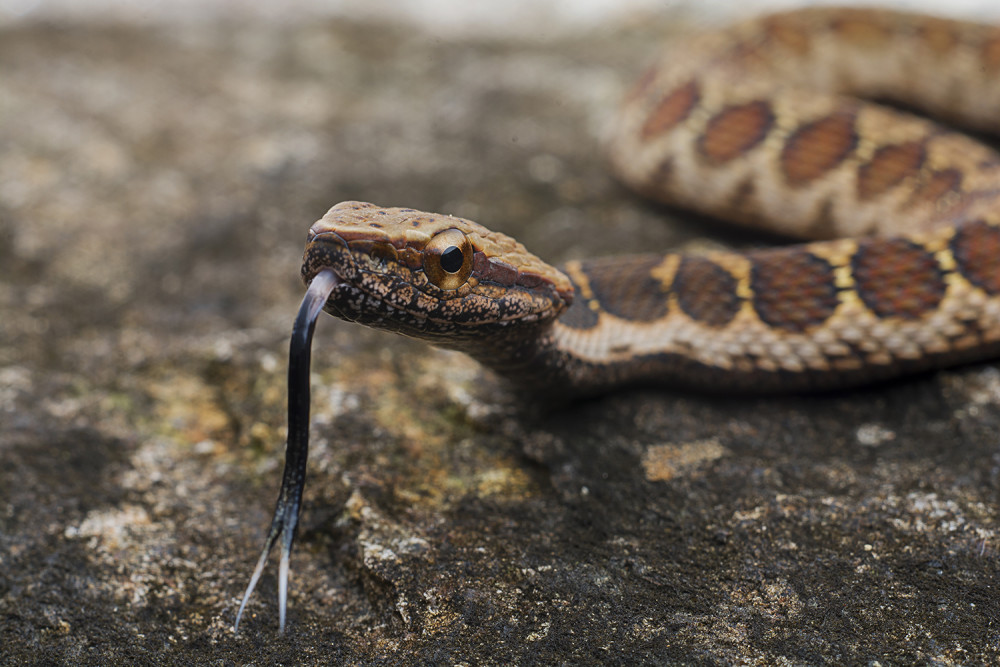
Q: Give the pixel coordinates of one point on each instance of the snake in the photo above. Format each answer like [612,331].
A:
[798,123]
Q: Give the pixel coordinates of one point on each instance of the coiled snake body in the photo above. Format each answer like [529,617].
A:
[760,124]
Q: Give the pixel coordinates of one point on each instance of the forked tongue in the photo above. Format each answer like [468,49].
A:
[286,512]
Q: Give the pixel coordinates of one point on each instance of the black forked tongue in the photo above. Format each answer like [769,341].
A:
[286,512]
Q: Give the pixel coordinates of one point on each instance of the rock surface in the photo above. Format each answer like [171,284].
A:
[156,185]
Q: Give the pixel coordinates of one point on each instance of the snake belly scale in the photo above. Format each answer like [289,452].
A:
[765,123]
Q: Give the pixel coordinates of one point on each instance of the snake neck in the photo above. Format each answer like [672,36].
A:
[811,317]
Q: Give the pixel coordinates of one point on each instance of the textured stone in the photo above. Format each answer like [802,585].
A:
[156,186]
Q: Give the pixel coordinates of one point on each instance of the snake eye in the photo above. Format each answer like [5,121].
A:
[448,259]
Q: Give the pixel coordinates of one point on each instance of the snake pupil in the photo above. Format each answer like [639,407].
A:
[451,259]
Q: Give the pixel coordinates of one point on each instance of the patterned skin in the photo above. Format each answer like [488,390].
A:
[752,124]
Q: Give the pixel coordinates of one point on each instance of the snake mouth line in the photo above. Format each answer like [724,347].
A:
[331,252]
[314,261]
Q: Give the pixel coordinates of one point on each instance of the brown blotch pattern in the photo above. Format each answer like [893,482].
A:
[627,289]
[793,290]
[938,35]
[817,147]
[976,247]
[671,110]
[706,291]
[735,130]
[897,278]
[579,315]
[749,54]
[991,53]
[789,35]
[644,82]
[937,184]
[888,167]
[863,33]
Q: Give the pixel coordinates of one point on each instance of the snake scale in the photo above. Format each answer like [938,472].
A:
[765,123]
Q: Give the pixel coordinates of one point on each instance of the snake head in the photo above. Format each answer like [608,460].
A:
[436,277]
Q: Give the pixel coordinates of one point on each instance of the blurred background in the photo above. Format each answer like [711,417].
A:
[448,16]
[160,165]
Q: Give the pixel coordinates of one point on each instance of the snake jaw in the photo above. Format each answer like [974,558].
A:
[286,512]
